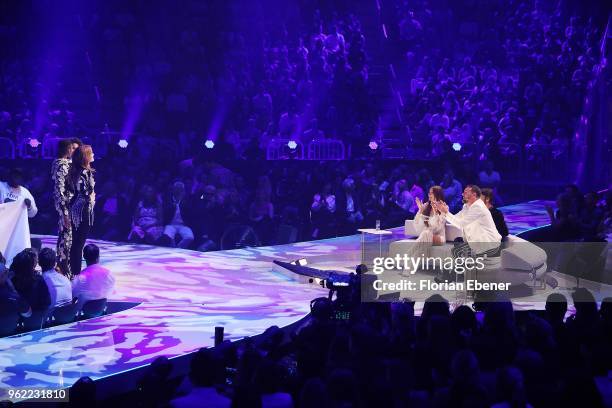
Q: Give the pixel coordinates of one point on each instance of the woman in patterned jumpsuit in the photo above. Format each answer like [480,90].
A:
[81,183]
[61,199]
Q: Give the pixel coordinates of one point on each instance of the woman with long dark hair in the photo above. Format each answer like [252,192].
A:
[81,183]
[28,283]
[428,221]
[429,224]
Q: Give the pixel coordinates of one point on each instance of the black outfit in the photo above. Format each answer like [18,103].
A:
[500,222]
[111,226]
[81,215]
[33,291]
[346,221]
[10,299]
[169,208]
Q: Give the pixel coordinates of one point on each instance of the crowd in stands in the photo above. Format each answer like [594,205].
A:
[280,202]
[580,216]
[507,76]
[245,72]
[512,78]
[383,355]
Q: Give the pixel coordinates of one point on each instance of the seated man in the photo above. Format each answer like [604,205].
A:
[95,281]
[175,211]
[476,223]
[59,286]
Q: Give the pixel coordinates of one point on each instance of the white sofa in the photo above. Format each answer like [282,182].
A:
[520,261]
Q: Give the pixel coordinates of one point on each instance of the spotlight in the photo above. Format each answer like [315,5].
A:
[373,145]
[209,144]
[456,146]
[300,262]
[122,143]
[292,144]
[34,143]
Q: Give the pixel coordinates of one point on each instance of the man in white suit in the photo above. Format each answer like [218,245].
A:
[475,222]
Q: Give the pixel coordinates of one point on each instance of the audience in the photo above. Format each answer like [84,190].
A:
[490,77]
[58,285]
[95,281]
[29,283]
[176,211]
[83,393]
[304,61]
[212,199]
[206,374]
[489,178]
[147,221]
[387,356]
[10,300]
[30,291]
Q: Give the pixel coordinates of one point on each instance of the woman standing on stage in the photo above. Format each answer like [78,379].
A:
[81,183]
[61,198]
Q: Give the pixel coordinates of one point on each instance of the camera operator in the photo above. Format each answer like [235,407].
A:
[348,293]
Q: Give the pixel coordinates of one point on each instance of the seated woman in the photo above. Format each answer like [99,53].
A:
[9,298]
[147,223]
[28,283]
[429,224]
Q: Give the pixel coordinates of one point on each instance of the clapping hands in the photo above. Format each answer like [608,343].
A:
[419,204]
[440,206]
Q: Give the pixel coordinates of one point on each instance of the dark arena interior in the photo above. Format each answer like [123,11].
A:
[305,203]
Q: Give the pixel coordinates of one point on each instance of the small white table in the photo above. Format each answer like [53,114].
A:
[372,231]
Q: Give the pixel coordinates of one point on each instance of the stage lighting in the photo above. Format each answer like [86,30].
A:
[373,145]
[209,144]
[456,146]
[122,143]
[292,144]
[34,143]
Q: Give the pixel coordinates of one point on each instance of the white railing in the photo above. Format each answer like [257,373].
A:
[326,149]
[278,149]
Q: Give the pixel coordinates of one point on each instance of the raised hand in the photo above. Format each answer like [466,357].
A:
[442,207]
[419,204]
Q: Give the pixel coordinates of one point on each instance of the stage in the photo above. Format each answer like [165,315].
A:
[182,295]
